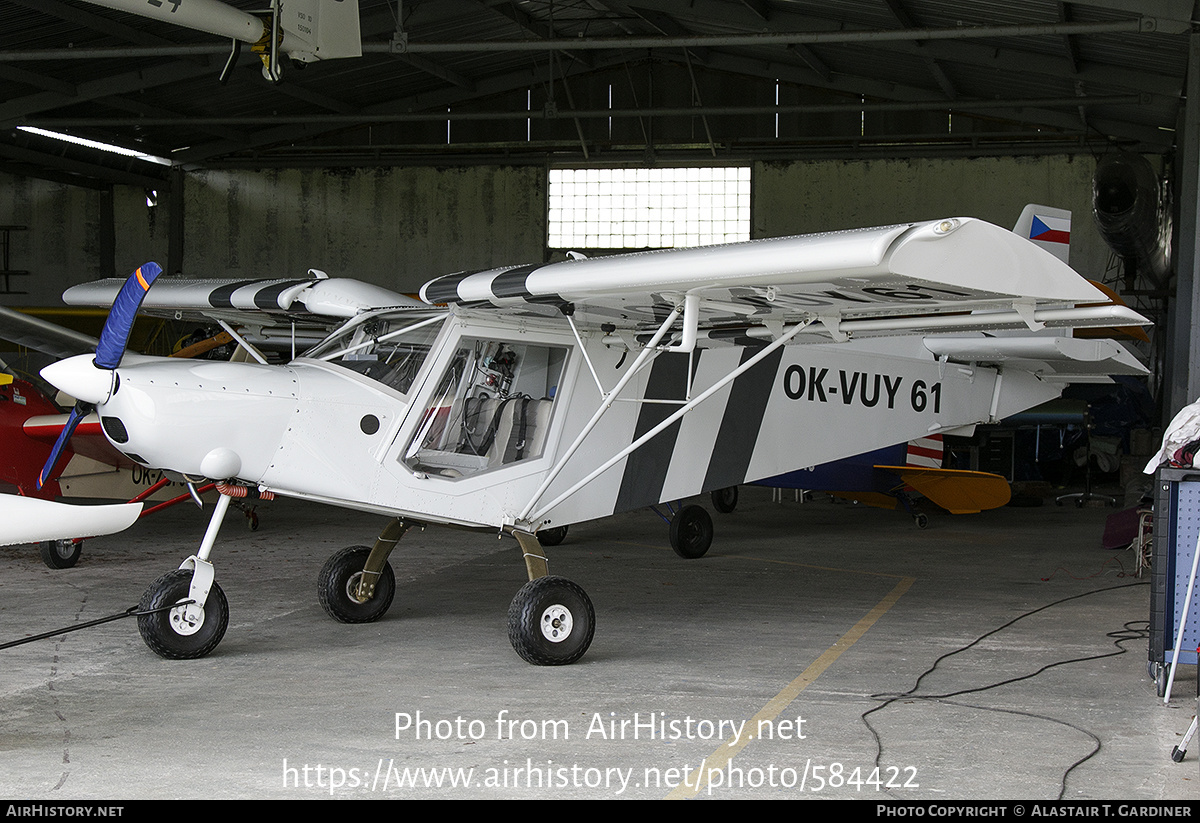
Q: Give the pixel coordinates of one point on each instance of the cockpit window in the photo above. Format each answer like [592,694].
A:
[388,348]
[492,407]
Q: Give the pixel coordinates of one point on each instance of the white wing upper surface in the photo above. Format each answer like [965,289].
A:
[324,297]
[854,281]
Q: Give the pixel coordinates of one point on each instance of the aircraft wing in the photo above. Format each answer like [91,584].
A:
[88,438]
[944,275]
[34,333]
[30,520]
[956,490]
[335,298]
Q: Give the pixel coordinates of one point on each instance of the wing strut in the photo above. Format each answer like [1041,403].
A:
[606,400]
[637,444]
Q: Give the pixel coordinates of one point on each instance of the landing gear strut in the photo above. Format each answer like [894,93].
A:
[198,622]
[356,585]
[551,621]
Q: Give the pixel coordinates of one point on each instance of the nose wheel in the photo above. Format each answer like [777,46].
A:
[178,633]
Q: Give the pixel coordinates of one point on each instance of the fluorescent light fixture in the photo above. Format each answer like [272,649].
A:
[93,144]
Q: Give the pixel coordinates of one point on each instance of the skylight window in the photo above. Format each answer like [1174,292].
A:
[648,208]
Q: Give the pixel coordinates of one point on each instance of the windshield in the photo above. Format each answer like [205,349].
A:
[388,348]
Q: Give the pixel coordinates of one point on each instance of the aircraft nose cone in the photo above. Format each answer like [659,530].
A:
[79,377]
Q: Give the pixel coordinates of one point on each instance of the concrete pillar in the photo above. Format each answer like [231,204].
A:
[1183,353]
[175,226]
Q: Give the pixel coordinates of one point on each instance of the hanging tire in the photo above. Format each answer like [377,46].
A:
[168,633]
[691,532]
[551,622]
[552,537]
[61,554]
[725,500]
[337,586]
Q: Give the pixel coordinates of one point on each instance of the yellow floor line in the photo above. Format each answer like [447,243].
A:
[696,781]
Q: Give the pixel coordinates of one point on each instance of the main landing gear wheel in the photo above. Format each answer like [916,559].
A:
[551,622]
[691,532]
[552,537]
[61,554]
[725,500]
[168,633]
[337,587]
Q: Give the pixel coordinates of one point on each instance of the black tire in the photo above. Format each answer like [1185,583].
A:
[922,520]
[725,500]
[552,537]
[551,622]
[339,574]
[691,532]
[61,554]
[165,632]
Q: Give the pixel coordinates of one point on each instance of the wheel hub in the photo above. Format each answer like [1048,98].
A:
[352,589]
[180,623]
[64,548]
[556,623]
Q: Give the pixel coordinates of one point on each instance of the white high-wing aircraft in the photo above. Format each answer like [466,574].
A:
[547,395]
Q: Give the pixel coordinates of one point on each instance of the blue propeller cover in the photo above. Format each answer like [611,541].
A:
[77,414]
[115,335]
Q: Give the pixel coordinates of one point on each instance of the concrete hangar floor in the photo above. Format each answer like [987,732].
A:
[819,650]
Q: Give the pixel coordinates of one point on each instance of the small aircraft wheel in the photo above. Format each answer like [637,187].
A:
[252,520]
[61,554]
[552,537]
[337,587]
[922,520]
[551,622]
[691,532]
[725,500]
[168,633]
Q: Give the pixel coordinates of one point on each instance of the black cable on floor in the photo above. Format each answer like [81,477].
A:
[132,611]
[1126,634]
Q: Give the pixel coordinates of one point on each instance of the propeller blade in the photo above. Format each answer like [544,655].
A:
[115,335]
[79,412]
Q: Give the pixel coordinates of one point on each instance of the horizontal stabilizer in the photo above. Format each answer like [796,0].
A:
[956,490]
[30,520]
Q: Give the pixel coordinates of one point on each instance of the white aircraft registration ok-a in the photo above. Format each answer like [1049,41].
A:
[547,395]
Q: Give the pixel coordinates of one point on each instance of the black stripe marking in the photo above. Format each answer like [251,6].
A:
[222,296]
[445,289]
[646,468]
[512,282]
[742,421]
[267,298]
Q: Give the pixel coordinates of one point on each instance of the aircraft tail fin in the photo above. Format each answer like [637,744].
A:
[1047,227]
